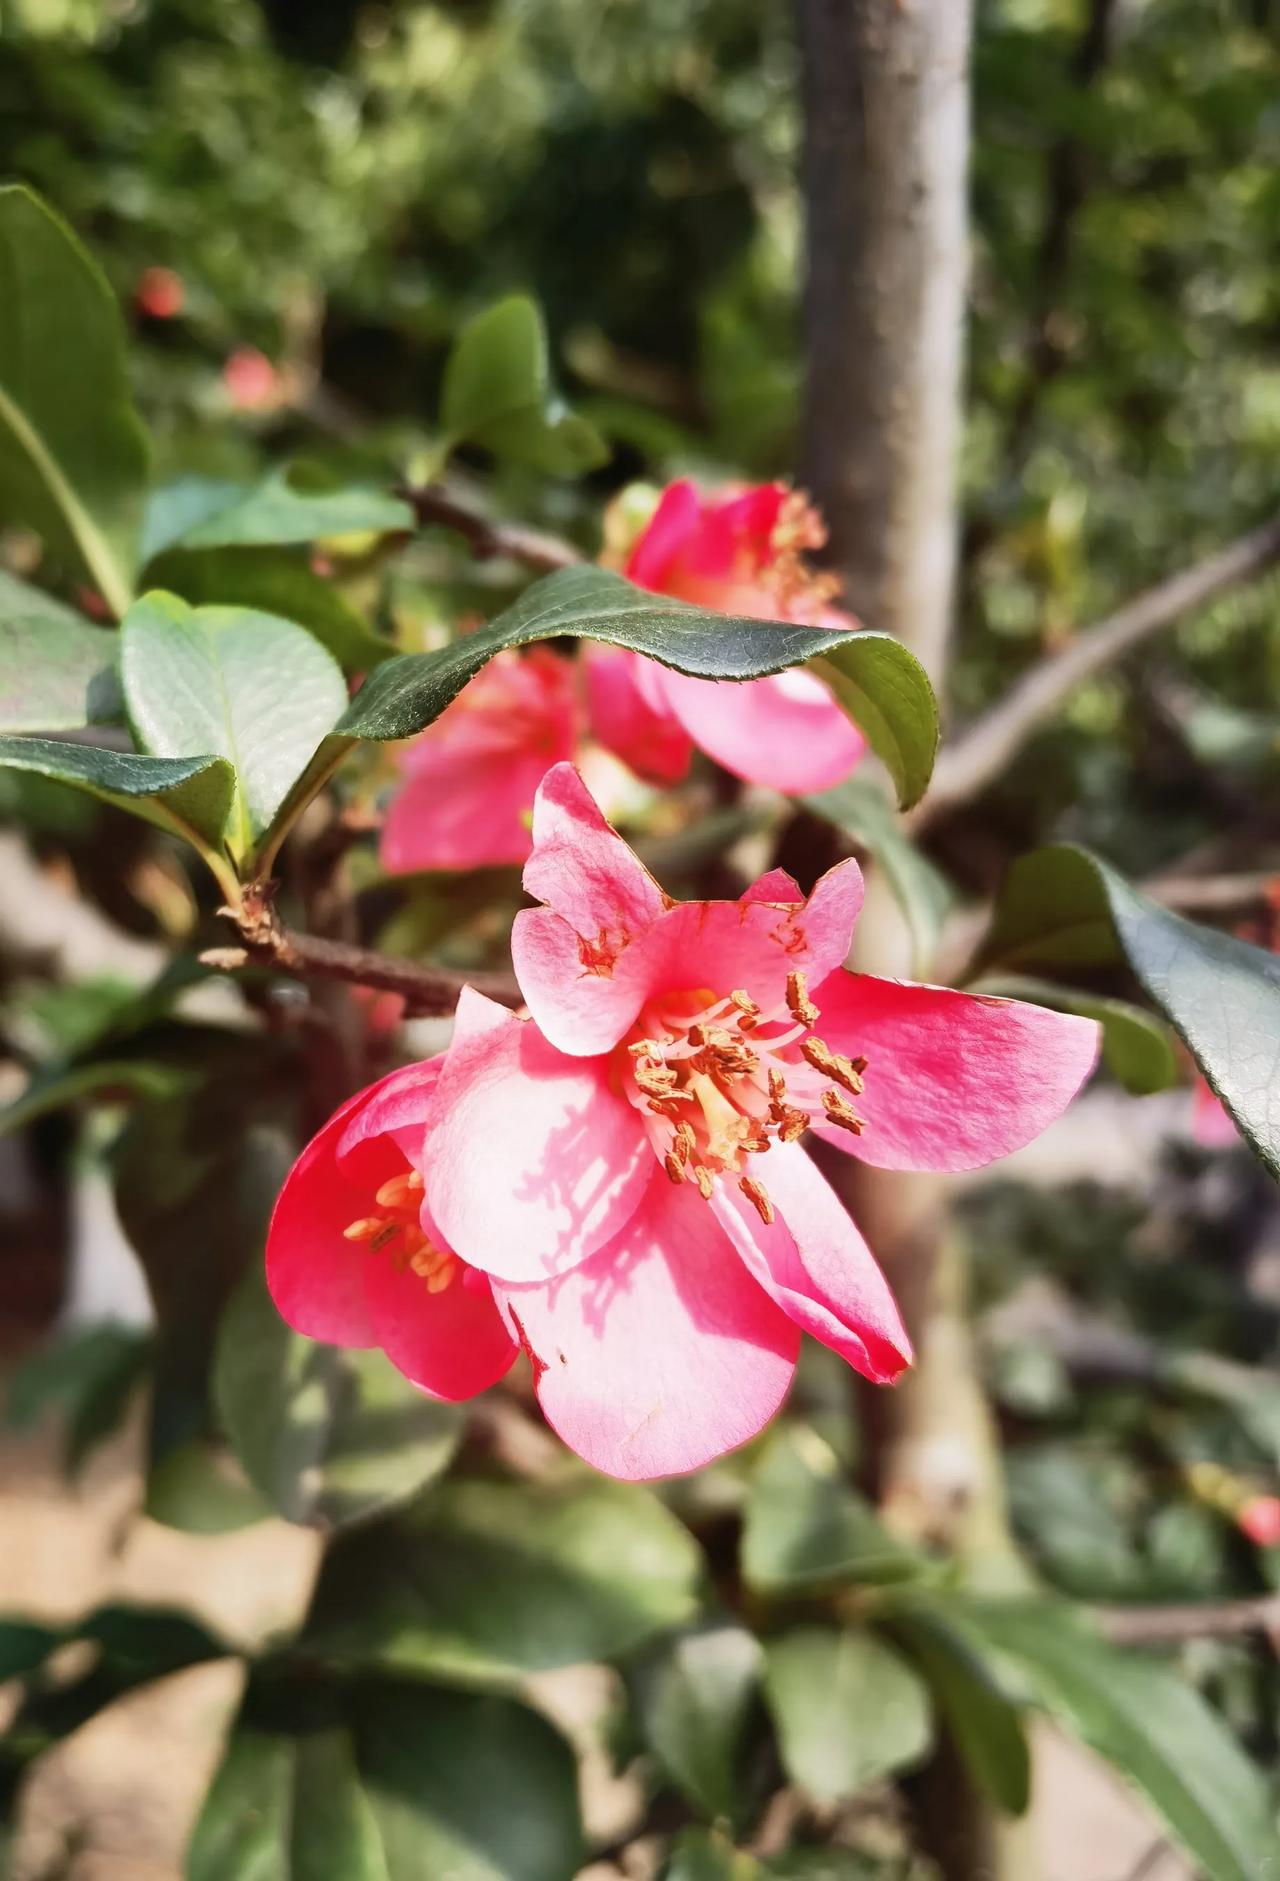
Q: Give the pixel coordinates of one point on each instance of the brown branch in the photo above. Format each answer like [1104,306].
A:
[1212,894]
[1168,1626]
[983,753]
[427,991]
[486,538]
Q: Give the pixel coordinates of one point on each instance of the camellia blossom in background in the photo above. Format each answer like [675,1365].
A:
[741,554]
[626,1164]
[354,1257]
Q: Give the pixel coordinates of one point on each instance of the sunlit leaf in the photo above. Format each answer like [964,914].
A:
[806,1527]
[497,393]
[57,672]
[847,1707]
[190,797]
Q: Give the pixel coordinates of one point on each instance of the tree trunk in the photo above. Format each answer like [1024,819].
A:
[886,99]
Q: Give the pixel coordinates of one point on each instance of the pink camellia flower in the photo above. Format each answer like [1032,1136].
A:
[736,554]
[160,293]
[626,1164]
[470,780]
[252,382]
[354,1256]
[1259,1519]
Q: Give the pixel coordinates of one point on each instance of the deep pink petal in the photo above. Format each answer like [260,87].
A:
[816,1265]
[953,1080]
[776,886]
[532,1160]
[583,869]
[786,731]
[661,1352]
[647,736]
[452,1344]
[665,535]
[1211,1124]
[316,1278]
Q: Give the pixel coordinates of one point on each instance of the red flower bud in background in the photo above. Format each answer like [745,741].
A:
[252,382]
[1260,1521]
[160,294]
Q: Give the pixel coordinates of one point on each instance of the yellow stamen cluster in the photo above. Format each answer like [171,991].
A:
[399,1230]
[798,532]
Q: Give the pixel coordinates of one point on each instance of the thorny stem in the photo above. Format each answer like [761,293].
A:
[427,991]
[486,538]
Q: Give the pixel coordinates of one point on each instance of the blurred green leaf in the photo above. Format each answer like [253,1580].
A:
[328,1436]
[488,1580]
[860,809]
[694,1693]
[57,672]
[1148,1721]
[984,1724]
[105,1078]
[1061,907]
[200,1489]
[705,1855]
[89,1375]
[24,1647]
[847,1707]
[73,454]
[1136,1048]
[805,1527]
[189,797]
[389,1783]
[273,581]
[291,505]
[497,393]
[251,688]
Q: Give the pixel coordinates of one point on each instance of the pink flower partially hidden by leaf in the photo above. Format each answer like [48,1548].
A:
[355,1258]
[626,1165]
[737,554]
[469,781]
[1259,1519]
[1211,1125]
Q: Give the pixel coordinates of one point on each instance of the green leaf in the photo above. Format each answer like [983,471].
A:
[847,1707]
[328,1436]
[199,1489]
[190,797]
[487,1580]
[924,894]
[24,1647]
[497,393]
[694,1693]
[274,581]
[73,455]
[1136,1049]
[885,688]
[984,1724]
[56,671]
[287,1808]
[295,504]
[89,1375]
[105,1078]
[252,688]
[805,1527]
[704,1855]
[1146,1719]
[1061,908]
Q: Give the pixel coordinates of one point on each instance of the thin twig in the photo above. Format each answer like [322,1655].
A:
[985,750]
[1168,1626]
[427,991]
[486,537]
[1212,894]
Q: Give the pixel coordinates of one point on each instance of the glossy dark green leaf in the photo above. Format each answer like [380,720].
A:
[847,1708]
[292,505]
[73,455]
[694,1693]
[57,672]
[248,687]
[804,1525]
[274,581]
[1062,908]
[860,809]
[190,797]
[497,393]
[1136,1048]
[984,1724]
[489,1580]
[328,1436]
[1147,1720]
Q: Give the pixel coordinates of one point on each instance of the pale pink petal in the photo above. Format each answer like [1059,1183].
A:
[651,741]
[476,1013]
[532,1160]
[828,920]
[953,1080]
[661,1352]
[397,1107]
[583,869]
[582,1005]
[453,1343]
[786,731]
[816,1265]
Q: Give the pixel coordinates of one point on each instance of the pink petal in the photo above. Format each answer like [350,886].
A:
[668,530]
[646,735]
[583,869]
[661,1352]
[532,1160]
[583,1009]
[776,886]
[816,1265]
[1211,1124]
[953,1080]
[786,732]
[453,1343]
[397,1106]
